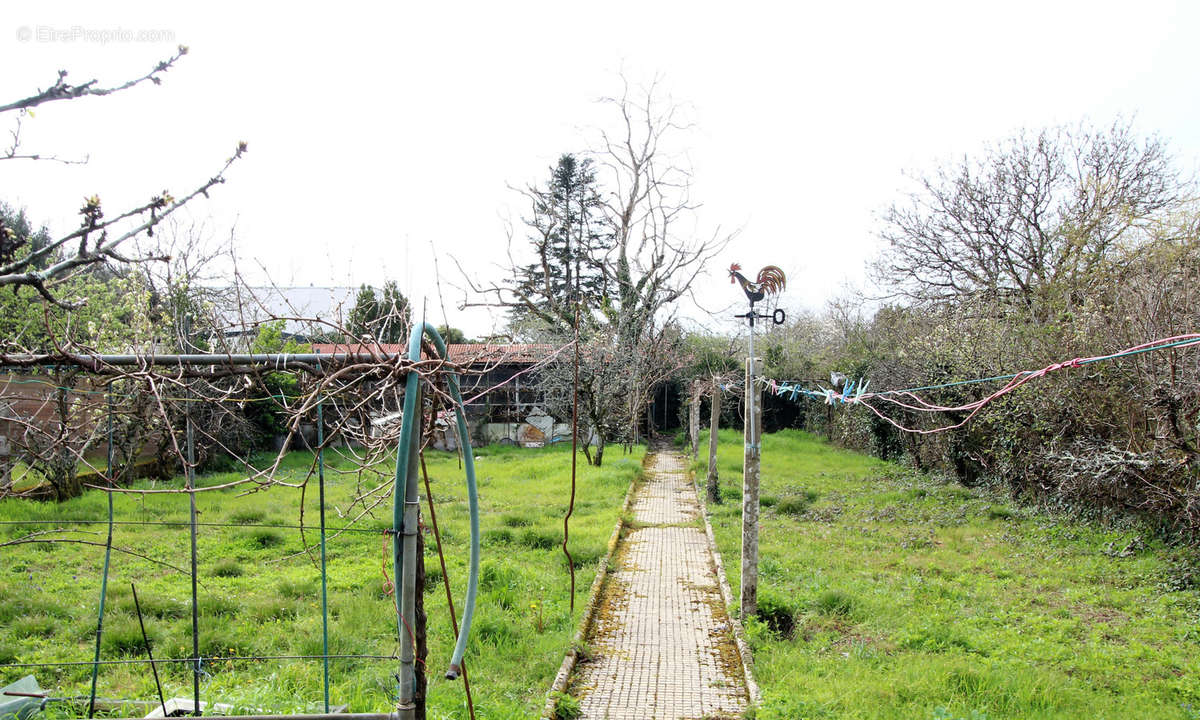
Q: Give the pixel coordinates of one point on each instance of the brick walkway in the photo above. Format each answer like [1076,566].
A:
[662,641]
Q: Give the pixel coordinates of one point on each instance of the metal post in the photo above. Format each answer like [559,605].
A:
[191,484]
[405,547]
[107,557]
[324,578]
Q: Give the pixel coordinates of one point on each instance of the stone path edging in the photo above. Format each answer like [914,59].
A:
[735,621]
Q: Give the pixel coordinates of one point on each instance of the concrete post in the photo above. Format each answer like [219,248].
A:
[714,421]
[694,422]
[750,477]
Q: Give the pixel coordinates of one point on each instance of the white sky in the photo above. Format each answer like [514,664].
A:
[380,132]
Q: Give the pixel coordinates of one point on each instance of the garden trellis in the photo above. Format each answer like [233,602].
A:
[347,382]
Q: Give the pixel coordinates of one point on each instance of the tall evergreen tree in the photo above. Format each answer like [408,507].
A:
[570,238]
[394,314]
[385,317]
[365,313]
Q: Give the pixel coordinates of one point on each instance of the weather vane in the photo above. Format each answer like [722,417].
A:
[770,281]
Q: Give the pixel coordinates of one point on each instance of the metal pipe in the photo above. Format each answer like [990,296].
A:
[404,508]
[280,361]
[191,483]
[162,703]
[405,543]
[324,583]
[310,716]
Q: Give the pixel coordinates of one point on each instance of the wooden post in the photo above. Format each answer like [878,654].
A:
[694,422]
[750,469]
[714,491]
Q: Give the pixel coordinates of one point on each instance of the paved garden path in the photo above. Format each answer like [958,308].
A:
[662,643]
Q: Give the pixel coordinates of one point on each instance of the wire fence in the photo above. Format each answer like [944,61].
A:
[339,382]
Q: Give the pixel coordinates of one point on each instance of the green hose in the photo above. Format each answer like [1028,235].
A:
[410,428]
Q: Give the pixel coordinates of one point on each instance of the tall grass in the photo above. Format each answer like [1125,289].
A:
[260,593]
[895,595]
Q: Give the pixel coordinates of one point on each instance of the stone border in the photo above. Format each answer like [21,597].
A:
[739,632]
[589,611]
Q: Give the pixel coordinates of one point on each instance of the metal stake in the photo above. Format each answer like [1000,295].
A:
[324,584]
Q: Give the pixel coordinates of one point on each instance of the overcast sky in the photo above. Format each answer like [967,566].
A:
[381,134]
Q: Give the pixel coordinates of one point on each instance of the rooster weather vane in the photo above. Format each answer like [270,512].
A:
[770,282]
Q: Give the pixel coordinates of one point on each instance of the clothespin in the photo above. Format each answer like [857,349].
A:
[847,389]
[862,388]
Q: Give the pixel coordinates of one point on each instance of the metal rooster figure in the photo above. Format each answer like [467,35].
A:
[770,281]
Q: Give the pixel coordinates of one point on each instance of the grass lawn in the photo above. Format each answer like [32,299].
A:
[256,601]
[888,594]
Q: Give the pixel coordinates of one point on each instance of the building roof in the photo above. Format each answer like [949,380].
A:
[460,353]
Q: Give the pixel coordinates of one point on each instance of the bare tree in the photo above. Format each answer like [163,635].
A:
[1037,211]
[626,255]
[98,239]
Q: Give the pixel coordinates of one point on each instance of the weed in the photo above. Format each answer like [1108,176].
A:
[999,512]
[298,589]
[537,613]
[516,521]
[227,568]
[123,636]
[492,631]
[217,605]
[34,626]
[942,713]
[500,536]
[540,539]
[247,516]
[778,614]
[835,603]
[263,538]
[566,707]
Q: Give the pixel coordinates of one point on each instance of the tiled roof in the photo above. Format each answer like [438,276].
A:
[460,353]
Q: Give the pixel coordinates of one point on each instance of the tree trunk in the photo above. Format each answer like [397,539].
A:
[753,434]
[599,449]
[714,490]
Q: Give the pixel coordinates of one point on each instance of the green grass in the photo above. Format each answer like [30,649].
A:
[889,594]
[256,600]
